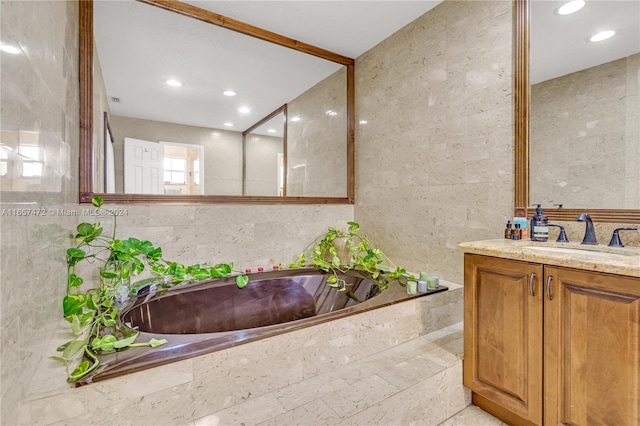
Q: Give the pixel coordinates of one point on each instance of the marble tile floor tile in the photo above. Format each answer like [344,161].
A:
[416,383]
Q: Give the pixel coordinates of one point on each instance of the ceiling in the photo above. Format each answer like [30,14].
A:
[141,46]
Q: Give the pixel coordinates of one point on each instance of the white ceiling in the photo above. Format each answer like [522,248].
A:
[141,46]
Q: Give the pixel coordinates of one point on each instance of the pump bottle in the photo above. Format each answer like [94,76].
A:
[539,226]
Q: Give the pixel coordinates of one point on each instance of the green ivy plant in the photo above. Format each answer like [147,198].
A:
[93,312]
[363,256]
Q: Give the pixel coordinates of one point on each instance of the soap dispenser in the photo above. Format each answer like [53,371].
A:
[539,225]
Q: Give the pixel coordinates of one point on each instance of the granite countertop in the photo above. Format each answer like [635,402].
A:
[600,258]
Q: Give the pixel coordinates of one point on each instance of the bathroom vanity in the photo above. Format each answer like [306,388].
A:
[552,332]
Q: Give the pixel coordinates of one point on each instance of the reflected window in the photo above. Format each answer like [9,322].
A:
[31,167]
[175,170]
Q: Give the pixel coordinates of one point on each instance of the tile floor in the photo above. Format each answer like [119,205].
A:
[416,383]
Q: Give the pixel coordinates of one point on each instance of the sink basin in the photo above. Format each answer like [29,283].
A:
[584,252]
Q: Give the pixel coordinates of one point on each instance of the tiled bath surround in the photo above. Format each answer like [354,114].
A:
[363,369]
[434,163]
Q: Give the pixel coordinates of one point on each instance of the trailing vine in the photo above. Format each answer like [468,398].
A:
[93,312]
[363,256]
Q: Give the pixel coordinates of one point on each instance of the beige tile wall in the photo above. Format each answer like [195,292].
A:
[434,162]
[39,103]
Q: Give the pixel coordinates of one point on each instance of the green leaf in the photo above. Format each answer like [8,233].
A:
[75,325]
[72,304]
[145,247]
[242,280]
[105,344]
[123,343]
[332,279]
[354,228]
[86,229]
[155,254]
[107,274]
[137,267]
[97,201]
[73,348]
[108,322]
[75,281]
[62,347]
[154,343]
[93,302]
[76,253]
[57,358]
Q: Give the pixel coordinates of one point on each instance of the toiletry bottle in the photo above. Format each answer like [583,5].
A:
[539,226]
[515,232]
[524,232]
[507,230]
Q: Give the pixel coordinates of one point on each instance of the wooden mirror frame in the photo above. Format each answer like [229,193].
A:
[86,111]
[522,90]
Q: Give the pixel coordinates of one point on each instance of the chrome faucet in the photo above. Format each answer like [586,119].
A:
[589,232]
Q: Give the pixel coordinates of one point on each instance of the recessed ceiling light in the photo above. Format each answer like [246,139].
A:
[174,83]
[271,130]
[363,121]
[602,35]
[244,110]
[296,118]
[229,93]
[571,7]
[10,49]
[228,124]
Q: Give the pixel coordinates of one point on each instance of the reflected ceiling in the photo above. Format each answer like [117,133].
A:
[560,44]
[264,76]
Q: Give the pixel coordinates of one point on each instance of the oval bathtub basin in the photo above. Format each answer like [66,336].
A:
[270,298]
[213,315]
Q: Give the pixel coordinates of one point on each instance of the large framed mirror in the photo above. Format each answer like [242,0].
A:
[577,115]
[194,104]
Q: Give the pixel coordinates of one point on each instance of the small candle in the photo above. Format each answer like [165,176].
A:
[260,269]
[423,276]
[412,287]
[432,283]
[422,286]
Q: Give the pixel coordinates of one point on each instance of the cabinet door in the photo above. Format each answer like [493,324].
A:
[592,348]
[503,336]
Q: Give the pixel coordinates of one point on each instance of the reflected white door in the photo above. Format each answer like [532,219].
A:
[143,167]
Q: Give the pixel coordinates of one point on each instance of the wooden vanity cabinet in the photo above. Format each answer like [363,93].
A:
[551,345]
[591,348]
[503,337]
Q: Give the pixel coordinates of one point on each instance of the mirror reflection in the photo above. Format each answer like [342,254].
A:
[181,94]
[264,147]
[585,106]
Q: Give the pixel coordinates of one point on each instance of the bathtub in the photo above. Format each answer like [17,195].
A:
[212,315]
